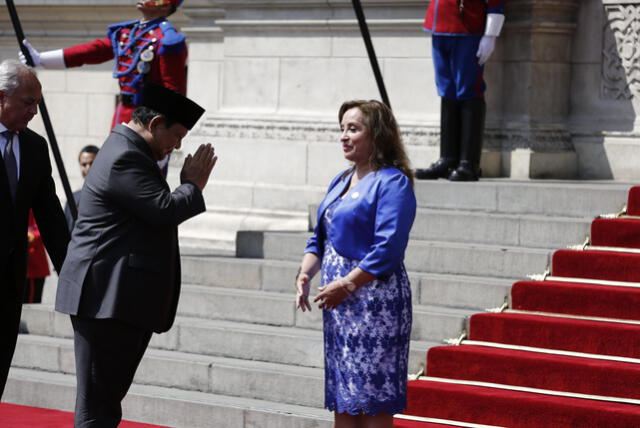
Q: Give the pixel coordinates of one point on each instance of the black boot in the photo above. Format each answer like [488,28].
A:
[439,169]
[449,142]
[472,114]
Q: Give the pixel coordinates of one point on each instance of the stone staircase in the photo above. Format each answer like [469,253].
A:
[239,355]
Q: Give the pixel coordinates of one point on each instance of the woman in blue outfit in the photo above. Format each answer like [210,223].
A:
[358,246]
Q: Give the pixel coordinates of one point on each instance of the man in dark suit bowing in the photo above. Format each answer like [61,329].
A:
[121,279]
[25,183]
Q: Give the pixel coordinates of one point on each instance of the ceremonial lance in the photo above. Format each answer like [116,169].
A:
[364,30]
[45,114]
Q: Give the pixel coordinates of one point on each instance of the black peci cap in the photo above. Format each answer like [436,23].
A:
[171,104]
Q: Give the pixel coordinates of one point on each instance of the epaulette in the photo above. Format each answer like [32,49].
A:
[120,25]
[172,41]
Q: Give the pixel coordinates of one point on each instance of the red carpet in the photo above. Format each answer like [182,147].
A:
[403,423]
[617,232]
[535,370]
[594,264]
[577,299]
[515,409]
[565,374]
[593,337]
[633,203]
[14,416]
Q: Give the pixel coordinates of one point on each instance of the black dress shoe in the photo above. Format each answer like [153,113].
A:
[465,172]
[439,169]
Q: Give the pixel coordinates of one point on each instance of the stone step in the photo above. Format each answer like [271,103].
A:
[216,375]
[278,309]
[277,276]
[281,345]
[239,273]
[205,247]
[271,245]
[280,211]
[534,231]
[258,204]
[475,260]
[167,406]
[250,306]
[500,261]
[461,291]
[260,197]
[548,198]
[286,345]
[218,225]
[545,197]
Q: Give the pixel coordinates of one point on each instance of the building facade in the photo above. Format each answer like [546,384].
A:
[563,90]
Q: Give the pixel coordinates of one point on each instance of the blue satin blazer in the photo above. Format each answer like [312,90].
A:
[372,223]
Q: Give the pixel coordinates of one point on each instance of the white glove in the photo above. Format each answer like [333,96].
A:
[50,59]
[35,55]
[487,45]
[488,41]
[495,21]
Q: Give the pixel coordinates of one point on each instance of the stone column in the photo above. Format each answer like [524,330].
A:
[206,50]
[537,40]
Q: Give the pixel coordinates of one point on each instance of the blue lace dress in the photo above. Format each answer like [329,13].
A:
[366,339]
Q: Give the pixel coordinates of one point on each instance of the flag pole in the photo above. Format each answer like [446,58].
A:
[364,30]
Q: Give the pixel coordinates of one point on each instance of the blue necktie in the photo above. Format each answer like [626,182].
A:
[10,163]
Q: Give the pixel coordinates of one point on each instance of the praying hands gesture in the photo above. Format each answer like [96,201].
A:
[198,167]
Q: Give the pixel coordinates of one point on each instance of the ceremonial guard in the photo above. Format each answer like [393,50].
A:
[463,38]
[146,50]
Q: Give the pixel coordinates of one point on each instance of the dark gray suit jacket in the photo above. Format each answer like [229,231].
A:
[123,261]
[36,190]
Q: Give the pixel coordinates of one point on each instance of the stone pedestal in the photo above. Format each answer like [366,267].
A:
[536,77]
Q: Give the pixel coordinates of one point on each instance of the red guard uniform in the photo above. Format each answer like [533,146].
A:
[457,27]
[457,17]
[37,266]
[151,51]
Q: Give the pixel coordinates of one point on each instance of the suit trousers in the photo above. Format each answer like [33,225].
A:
[10,311]
[108,353]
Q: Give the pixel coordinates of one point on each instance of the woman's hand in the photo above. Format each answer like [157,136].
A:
[303,283]
[332,294]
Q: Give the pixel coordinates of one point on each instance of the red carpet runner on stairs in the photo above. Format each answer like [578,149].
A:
[566,353]
[15,416]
